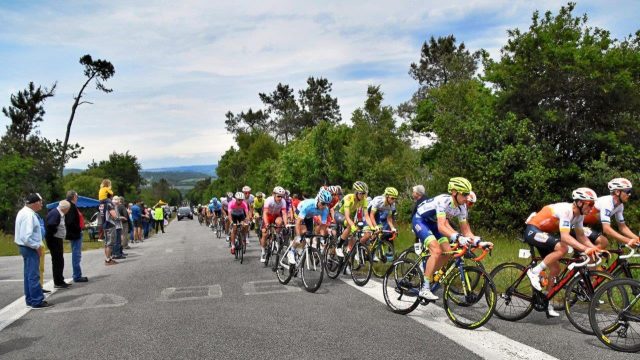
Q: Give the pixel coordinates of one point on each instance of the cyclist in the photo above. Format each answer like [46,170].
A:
[289,202]
[216,209]
[210,213]
[274,212]
[224,200]
[382,209]
[607,207]
[542,232]
[431,225]
[239,214]
[345,210]
[307,209]
[258,203]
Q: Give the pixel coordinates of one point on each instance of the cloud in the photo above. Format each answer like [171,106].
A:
[180,66]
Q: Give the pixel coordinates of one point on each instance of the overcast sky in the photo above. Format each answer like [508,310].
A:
[181,65]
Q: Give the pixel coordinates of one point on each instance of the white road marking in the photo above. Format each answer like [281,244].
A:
[12,280]
[483,342]
[191,293]
[18,309]
[262,287]
[92,301]
[168,250]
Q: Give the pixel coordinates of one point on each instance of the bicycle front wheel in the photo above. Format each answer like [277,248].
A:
[360,264]
[382,258]
[401,286]
[242,246]
[332,262]
[312,270]
[469,297]
[634,272]
[514,293]
[614,314]
[578,296]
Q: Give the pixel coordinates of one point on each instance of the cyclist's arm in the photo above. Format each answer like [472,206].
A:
[264,213]
[347,216]
[371,215]
[465,229]
[299,225]
[580,243]
[392,225]
[624,229]
[285,215]
[369,219]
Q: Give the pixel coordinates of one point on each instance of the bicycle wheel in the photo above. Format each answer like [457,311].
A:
[241,244]
[311,270]
[614,314]
[577,299]
[283,274]
[381,258]
[514,293]
[360,264]
[634,269]
[401,286]
[474,305]
[267,250]
[332,262]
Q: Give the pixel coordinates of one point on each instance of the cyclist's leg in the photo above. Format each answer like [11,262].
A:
[551,250]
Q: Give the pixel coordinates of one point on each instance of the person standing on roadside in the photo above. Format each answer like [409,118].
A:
[109,224]
[117,245]
[56,232]
[158,216]
[74,223]
[28,236]
[146,221]
[136,216]
[124,217]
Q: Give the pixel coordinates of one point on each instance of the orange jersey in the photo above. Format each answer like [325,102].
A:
[556,218]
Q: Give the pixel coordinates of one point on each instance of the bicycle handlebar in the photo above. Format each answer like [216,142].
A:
[586,262]
[631,254]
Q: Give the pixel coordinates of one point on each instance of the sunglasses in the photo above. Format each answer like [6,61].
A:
[627,191]
[324,203]
[279,196]
[360,193]
[392,198]
[465,194]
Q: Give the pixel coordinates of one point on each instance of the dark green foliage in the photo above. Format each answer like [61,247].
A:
[124,172]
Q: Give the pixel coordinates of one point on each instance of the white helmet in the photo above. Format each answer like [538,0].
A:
[472,198]
[246,189]
[584,194]
[619,184]
[239,196]
[279,190]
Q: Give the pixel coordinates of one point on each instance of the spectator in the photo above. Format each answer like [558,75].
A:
[418,196]
[117,245]
[44,231]
[105,188]
[124,217]
[146,220]
[56,232]
[158,216]
[74,223]
[136,216]
[28,236]
[109,224]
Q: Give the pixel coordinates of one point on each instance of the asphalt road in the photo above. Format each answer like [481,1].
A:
[181,295]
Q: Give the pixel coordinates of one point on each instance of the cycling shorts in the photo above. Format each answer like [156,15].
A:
[218,213]
[424,229]
[236,218]
[544,242]
[590,233]
[271,219]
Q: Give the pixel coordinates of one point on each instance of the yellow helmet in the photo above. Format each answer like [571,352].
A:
[459,184]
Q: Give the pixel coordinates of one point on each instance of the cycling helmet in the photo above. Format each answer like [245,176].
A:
[472,197]
[619,184]
[279,190]
[229,194]
[324,196]
[215,199]
[333,190]
[360,186]
[338,189]
[211,201]
[584,194]
[391,191]
[459,184]
[239,196]
[259,194]
[246,189]
[287,193]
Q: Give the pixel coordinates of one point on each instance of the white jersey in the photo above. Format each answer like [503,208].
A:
[378,204]
[441,206]
[274,207]
[603,210]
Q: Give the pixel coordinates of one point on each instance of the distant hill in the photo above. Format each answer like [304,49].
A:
[209,170]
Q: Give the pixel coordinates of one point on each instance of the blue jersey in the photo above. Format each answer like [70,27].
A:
[308,209]
[217,205]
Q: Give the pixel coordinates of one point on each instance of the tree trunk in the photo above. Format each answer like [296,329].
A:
[73,114]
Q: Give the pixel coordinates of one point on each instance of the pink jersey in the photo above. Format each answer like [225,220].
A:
[237,208]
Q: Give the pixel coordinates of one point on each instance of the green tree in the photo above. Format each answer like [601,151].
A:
[15,182]
[124,172]
[317,104]
[284,111]
[579,87]
[101,71]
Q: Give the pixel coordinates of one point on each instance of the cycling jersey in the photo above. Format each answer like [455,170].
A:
[211,208]
[308,209]
[224,203]
[237,208]
[274,207]
[258,203]
[603,210]
[440,206]
[350,202]
[556,218]
[217,205]
[381,209]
